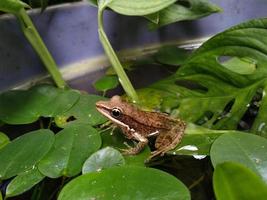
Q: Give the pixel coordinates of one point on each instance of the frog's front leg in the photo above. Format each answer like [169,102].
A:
[142,142]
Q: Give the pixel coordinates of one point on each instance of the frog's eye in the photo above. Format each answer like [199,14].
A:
[116,112]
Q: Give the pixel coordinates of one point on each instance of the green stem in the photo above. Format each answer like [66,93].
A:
[114,60]
[37,43]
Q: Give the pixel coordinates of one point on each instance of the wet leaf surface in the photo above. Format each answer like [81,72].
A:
[125,183]
[103,159]
[23,153]
[72,147]
[24,182]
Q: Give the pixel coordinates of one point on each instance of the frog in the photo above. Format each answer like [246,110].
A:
[141,125]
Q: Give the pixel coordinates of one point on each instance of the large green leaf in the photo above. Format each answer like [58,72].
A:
[26,106]
[233,181]
[135,8]
[12,6]
[23,153]
[4,140]
[207,92]
[72,147]
[24,182]
[247,149]
[125,183]
[103,159]
[84,111]
[180,12]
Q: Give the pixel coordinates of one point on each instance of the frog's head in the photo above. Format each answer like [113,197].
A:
[114,109]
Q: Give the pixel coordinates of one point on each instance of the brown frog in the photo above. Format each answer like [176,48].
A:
[140,125]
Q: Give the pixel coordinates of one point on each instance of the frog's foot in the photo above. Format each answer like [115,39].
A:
[134,150]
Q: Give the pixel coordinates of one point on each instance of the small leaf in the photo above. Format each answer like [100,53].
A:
[24,182]
[12,6]
[233,181]
[106,83]
[24,152]
[71,148]
[103,159]
[84,111]
[136,7]
[125,183]
[4,140]
[247,149]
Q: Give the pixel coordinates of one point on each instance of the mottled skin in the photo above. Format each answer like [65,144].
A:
[139,125]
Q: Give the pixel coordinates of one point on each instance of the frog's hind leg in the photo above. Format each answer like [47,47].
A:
[142,142]
[167,141]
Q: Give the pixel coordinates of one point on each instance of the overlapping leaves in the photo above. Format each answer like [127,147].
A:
[208,92]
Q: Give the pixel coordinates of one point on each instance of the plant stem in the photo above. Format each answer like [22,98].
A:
[37,43]
[123,78]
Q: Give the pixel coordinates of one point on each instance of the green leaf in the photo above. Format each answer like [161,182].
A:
[171,55]
[71,148]
[12,6]
[26,106]
[125,183]
[233,181]
[180,12]
[4,140]
[207,93]
[23,153]
[247,149]
[106,83]
[84,111]
[24,182]
[135,8]
[103,159]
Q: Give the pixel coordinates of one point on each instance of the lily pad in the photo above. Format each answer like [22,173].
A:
[247,149]
[103,159]
[233,181]
[24,182]
[23,153]
[72,147]
[26,106]
[125,183]
[84,111]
